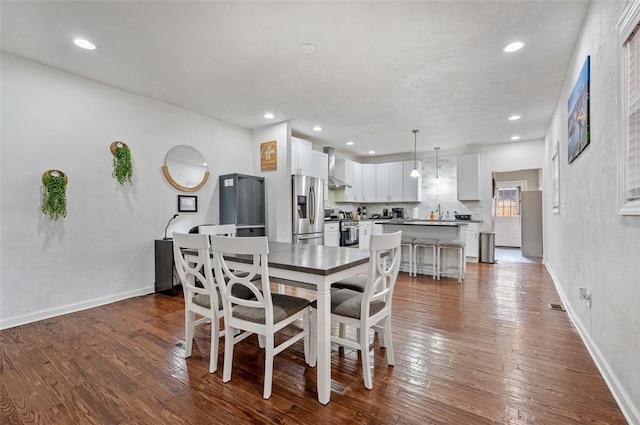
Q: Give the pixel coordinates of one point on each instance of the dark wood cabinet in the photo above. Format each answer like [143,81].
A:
[167,280]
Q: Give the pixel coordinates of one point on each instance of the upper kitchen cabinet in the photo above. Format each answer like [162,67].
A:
[412,185]
[351,173]
[390,182]
[369,183]
[321,170]
[468,177]
[301,157]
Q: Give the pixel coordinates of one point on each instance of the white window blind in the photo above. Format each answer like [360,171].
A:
[632,172]
[629,125]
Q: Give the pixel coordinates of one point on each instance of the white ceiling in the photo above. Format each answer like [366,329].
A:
[380,69]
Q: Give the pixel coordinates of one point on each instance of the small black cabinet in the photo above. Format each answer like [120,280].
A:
[167,280]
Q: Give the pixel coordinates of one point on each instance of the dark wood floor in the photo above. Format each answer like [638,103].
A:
[487,351]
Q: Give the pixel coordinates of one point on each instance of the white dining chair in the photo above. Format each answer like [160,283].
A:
[199,299]
[265,314]
[366,310]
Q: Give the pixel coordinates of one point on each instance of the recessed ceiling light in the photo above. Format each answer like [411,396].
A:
[307,48]
[372,152]
[85,44]
[515,137]
[317,128]
[350,143]
[269,115]
[513,47]
[514,117]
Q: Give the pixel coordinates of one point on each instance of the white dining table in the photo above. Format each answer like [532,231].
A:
[314,267]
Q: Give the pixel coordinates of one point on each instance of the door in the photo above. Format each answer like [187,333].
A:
[508,208]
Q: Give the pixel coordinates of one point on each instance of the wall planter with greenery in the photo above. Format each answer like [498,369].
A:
[122,162]
[54,194]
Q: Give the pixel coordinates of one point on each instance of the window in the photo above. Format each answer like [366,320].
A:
[508,202]
[629,42]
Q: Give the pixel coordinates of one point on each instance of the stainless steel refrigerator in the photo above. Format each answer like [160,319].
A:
[307,213]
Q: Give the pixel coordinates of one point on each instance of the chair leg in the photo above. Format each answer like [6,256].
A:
[228,353]
[268,365]
[313,335]
[215,339]
[189,318]
[306,324]
[388,340]
[364,354]
[460,265]
[434,269]
[261,341]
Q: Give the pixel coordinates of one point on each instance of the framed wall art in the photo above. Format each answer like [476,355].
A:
[578,122]
[269,155]
[187,203]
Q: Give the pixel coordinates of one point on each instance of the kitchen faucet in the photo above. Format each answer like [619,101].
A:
[439,211]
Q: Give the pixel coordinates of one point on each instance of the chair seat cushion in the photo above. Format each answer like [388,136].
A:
[407,240]
[355,283]
[283,306]
[346,302]
[239,291]
[452,244]
[425,241]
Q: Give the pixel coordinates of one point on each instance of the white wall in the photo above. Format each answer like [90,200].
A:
[588,244]
[278,181]
[103,250]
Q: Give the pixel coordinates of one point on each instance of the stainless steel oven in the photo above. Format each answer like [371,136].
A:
[349,233]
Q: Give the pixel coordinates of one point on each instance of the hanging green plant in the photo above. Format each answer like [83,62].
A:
[122,162]
[54,194]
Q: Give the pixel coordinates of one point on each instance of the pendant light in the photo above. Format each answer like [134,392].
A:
[437,161]
[415,172]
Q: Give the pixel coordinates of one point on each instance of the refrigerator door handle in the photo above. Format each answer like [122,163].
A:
[312,205]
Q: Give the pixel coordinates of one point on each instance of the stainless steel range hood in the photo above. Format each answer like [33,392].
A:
[334,183]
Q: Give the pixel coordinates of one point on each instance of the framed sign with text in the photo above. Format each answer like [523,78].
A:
[269,155]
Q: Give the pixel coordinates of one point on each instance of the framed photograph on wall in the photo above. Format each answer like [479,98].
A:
[187,203]
[578,122]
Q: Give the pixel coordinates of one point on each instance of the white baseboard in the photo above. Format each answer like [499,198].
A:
[72,308]
[629,410]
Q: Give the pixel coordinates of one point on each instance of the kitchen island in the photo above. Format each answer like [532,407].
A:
[433,229]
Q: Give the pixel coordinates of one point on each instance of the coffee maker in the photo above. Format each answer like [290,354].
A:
[397,212]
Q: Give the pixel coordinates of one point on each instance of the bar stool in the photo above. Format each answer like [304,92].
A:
[459,247]
[408,242]
[419,245]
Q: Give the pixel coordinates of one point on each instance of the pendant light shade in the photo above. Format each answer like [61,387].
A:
[415,172]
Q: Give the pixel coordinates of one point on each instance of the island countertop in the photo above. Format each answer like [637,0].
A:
[439,223]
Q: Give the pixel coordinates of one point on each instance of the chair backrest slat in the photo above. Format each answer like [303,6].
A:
[255,248]
[383,270]
[190,271]
[218,229]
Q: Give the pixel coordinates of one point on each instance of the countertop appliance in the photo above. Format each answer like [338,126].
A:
[397,212]
[308,210]
[349,233]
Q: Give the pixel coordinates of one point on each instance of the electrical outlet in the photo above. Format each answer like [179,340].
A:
[585,294]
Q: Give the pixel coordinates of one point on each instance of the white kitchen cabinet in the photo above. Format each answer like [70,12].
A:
[389,182]
[301,157]
[412,185]
[321,170]
[332,234]
[468,171]
[351,173]
[472,247]
[382,182]
[369,183]
[364,234]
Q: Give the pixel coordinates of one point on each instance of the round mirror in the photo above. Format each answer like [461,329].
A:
[185,168]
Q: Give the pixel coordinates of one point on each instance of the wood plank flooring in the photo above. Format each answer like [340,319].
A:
[489,351]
